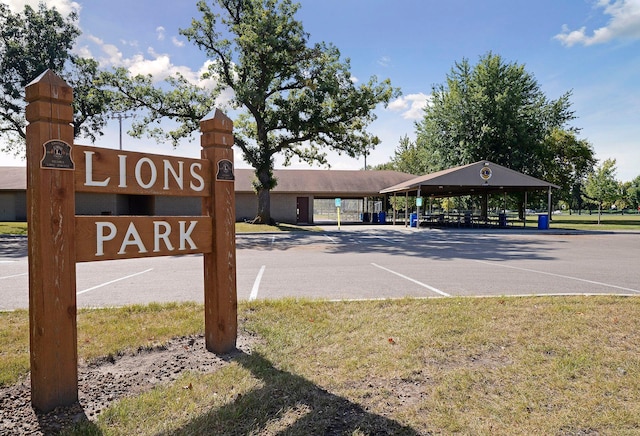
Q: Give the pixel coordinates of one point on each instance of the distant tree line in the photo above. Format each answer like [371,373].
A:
[298,99]
[495,110]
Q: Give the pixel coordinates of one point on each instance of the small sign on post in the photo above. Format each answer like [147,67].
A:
[338,204]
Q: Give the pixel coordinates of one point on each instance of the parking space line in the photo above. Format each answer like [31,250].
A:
[333,241]
[558,275]
[385,239]
[256,284]
[113,281]
[431,288]
[15,275]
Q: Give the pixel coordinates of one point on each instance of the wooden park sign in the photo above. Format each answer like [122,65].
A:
[58,238]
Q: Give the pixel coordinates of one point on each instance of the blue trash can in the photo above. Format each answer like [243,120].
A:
[413,220]
[382,217]
[502,219]
[543,222]
[374,217]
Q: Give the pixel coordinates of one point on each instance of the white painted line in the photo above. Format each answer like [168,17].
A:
[385,239]
[7,261]
[15,275]
[431,288]
[114,281]
[333,241]
[256,284]
[558,275]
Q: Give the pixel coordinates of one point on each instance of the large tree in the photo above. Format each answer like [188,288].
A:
[296,99]
[567,162]
[494,110]
[601,186]
[30,43]
[633,193]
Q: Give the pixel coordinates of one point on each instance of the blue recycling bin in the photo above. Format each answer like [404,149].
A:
[374,217]
[382,217]
[543,222]
[413,220]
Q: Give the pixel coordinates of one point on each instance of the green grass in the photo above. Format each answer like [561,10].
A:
[564,221]
[590,222]
[265,228]
[533,365]
[20,228]
[13,228]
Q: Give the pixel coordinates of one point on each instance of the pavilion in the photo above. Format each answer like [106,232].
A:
[479,178]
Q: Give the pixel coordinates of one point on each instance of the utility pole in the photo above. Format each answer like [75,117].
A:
[120,117]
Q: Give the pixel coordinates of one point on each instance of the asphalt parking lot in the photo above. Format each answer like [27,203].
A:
[362,262]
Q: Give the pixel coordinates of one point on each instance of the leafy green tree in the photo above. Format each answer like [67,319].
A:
[410,158]
[601,186]
[30,43]
[494,110]
[568,162]
[296,99]
[633,193]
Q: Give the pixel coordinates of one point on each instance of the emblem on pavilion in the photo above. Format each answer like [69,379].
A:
[486,173]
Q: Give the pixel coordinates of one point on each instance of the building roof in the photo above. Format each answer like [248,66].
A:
[329,183]
[476,178]
[13,178]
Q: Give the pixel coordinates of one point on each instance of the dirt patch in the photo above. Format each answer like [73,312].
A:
[110,379]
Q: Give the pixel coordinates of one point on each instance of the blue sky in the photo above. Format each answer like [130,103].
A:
[589,47]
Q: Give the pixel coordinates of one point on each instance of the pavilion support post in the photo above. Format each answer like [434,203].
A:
[395,209]
[524,211]
[418,210]
[485,206]
[51,244]
[220,294]
[406,207]
[549,206]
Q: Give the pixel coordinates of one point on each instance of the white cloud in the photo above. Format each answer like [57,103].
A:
[412,105]
[623,24]
[65,7]
[160,32]
[176,42]
[384,61]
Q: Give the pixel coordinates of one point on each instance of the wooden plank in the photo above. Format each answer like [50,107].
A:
[112,171]
[126,237]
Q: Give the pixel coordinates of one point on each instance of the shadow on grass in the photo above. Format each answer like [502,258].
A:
[288,404]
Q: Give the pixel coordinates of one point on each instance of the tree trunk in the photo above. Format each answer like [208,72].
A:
[263,187]
[264,207]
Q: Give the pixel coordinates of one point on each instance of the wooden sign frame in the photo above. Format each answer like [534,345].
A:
[58,238]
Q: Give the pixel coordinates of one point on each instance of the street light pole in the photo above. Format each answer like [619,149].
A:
[120,117]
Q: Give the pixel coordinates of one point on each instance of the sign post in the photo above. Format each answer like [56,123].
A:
[52,252]
[338,204]
[220,294]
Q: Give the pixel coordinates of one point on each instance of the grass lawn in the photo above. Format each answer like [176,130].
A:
[532,365]
[13,228]
[590,222]
[20,228]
